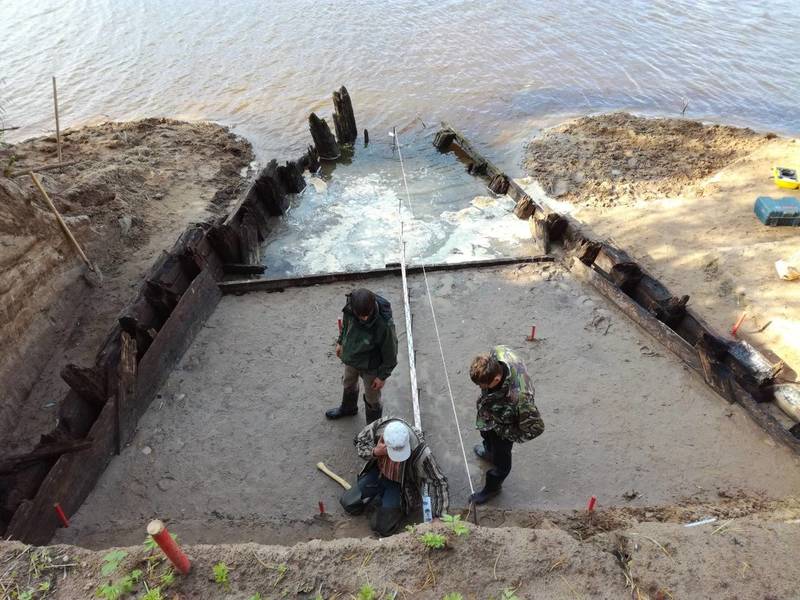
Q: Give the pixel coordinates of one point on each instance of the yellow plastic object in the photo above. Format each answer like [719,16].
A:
[785,178]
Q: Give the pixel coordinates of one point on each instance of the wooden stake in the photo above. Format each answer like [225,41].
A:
[58,128]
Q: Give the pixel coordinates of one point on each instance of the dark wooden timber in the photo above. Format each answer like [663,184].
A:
[13,463]
[277,285]
[125,388]
[240,269]
[324,142]
[344,121]
[735,373]
[366,138]
[88,383]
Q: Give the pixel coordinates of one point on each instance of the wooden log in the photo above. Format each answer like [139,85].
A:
[344,120]
[249,239]
[290,177]
[586,251]
[69,482]
[276,285]
[540,231]
[242,269]
[270,192]
[717,375]
[626,276]
[139,320]
[525,208]
[51,451]
[366,138]
[127,410]
[499,184]
[671,340]
[444,139]
[225,240]
[311,159]
[324,142]
[88,383]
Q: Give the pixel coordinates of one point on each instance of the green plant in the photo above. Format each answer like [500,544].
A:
[366,592]
[255,596]
[111,562]
[433,541]
[508,594]
[26,595]
[167,579]
[125,585]
[221,572]
[153,593]
[412,529]
[456,524]
[282,569]
[453,596]
[151,545]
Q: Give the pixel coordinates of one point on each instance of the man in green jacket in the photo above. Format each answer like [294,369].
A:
[506,413]
[367,346]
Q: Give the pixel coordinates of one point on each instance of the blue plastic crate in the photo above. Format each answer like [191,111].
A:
[778,211]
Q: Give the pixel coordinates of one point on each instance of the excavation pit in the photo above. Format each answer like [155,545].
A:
[228,448]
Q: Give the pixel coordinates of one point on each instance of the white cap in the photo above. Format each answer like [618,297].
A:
[397,439]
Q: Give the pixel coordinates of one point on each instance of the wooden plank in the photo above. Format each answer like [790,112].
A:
[88,383]
[69,482]
[242,269]
[637,313]
[178,331]
[127,413]
[13,463]
[277,285]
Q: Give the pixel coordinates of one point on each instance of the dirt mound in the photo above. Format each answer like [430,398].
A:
[745,557]
[127,192]
[618,158]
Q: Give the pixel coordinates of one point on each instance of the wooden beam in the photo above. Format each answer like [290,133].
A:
[277,285]
[88,383]
[242,269]
[127,411]
[13,463]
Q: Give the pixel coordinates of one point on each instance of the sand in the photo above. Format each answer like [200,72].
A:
[699,234]
[134,189]
[229,447]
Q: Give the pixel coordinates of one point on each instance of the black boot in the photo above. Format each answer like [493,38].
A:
[491,488]
[482,453]
[373,414]
[348,407]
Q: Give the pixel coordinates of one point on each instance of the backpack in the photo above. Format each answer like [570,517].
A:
[384,307]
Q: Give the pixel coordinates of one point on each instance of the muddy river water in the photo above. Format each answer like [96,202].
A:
[498,70]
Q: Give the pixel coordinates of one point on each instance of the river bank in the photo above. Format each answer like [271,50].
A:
[678,195]
[128,190]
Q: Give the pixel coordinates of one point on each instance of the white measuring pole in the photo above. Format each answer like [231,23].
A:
[412,365]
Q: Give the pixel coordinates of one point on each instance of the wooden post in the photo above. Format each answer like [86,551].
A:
[58,128]
[541,231]
[126,391]
[326,145]
[344,121]
[443,139]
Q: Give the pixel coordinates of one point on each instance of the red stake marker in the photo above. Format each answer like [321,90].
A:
[61,516]
[532,336]
[592,502]
[158,531]
[735,328]
[321,508]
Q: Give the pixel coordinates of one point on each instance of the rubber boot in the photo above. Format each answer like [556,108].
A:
[348,407]
[373,414]
[491,488]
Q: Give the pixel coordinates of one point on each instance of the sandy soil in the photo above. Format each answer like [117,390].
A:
[745,557]
[697,233]
[228,451]
[134,188]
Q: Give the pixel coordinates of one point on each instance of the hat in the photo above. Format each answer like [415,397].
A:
[397,439]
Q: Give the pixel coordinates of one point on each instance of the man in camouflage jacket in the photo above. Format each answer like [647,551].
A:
[506,414]
[393,482]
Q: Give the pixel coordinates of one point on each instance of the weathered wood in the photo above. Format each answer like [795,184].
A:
[243,269]
[525,208]
[225,240]
[540,231]
[587,251]
[70,480]
[366,138]
[444,139]
[499,184]
[139,320]
[344,120]
[127,411]
[290,177]
[717,375]
[88,383]
[276,285]
[761,415]
[51,451]
[637,313]
[626,276]
[174,337]
[324,142]
[270,191]
[249,239]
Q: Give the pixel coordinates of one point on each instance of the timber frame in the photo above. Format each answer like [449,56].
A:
[98,416]
[732,368]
